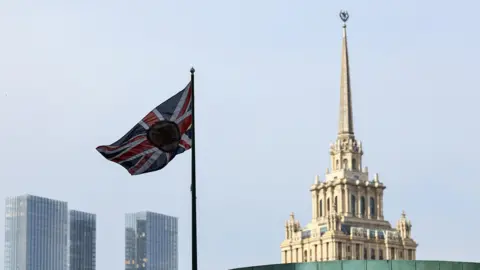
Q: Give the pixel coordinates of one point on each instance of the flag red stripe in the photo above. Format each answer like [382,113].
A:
[111,148]
[140,163]
[185,144]
[150,119]
[187,102]
[140,148]
[185,124]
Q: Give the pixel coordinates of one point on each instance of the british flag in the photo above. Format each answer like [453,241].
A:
[136,152]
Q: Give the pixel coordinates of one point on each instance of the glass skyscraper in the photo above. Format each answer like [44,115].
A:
[36,233]
[82,240]
[151,241]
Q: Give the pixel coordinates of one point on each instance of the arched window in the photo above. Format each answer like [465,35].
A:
[336,204]
[305,255]
[362,206]
[328,205]
[321,208]
[354,164]
[353,204]
[372,206]
[345,164]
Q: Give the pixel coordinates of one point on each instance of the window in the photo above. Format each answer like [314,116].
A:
[362,206]
[354,164]
[326,258]
[380,254]
[401,255]
[392,254]
[357,251]
[337,164]
[365,257]
[410,255]
[372,254]
[353,203]
[345,164]
[321,251]
[328,205]
[372,206]
[336,204]
[339,253]
[321,207]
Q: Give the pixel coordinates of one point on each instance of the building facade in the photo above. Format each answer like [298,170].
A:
[347,206]
[82,240]
[151,241]
[36,231]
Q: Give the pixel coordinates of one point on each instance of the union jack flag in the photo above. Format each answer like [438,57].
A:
[136,151]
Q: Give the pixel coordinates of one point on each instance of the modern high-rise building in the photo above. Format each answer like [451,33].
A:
[347,205]
[36,233]
[151,241]
[82,240]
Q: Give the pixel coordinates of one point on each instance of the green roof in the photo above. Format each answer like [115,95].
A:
[370,265]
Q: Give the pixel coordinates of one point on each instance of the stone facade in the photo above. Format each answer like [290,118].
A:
[347,207]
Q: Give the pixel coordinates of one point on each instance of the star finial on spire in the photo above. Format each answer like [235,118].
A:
[344,16]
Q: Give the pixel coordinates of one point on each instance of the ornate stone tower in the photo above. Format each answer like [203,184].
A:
[347,208]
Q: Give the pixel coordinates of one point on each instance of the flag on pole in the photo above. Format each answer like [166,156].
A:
[161,135]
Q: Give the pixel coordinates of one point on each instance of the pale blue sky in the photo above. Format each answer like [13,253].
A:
[81,73]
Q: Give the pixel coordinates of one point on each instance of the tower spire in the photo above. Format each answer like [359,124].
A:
[345,121]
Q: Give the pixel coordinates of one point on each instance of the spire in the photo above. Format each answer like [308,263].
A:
[345,122]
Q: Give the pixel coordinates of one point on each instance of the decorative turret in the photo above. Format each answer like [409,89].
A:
[404,226]
[291,226]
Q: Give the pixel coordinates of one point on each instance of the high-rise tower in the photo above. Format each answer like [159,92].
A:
[35,233]
[82,240]
[151,241]
[347,207]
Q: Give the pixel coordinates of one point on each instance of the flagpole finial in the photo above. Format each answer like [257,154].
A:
[344,16]
[192,70]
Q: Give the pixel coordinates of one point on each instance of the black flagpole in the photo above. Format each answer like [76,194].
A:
[194,184]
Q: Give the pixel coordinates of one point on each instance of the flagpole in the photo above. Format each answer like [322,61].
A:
[194,182]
